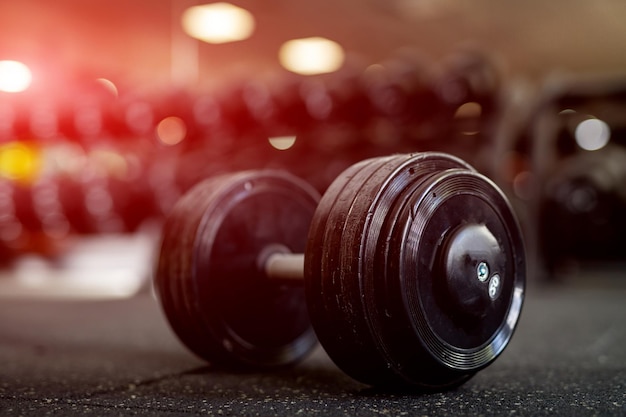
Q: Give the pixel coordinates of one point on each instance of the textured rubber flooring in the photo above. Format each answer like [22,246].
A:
[110,358]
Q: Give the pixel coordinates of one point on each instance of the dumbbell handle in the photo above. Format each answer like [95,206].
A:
[285,266]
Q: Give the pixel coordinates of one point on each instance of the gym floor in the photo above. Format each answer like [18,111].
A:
[119,357]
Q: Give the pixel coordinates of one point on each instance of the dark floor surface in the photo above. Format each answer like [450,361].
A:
[106,358]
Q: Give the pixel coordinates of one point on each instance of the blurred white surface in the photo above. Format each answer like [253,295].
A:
[94,267]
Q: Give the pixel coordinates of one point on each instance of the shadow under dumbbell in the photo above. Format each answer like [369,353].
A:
[315,374]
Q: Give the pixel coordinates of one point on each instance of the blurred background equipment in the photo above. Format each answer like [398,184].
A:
[575,173]
[103,160]
[110,111]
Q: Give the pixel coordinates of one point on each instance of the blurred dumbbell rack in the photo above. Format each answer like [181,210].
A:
[99,159]
[564,168]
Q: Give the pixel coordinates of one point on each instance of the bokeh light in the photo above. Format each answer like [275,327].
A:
[469,112]
[310,56]
[19,161]
[592,134]
[14,76]
[108,86]
[218,23]
[171,130]
[282,143]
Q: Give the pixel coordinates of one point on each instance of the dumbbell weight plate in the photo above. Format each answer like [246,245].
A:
[358,300]
[444,230]
[332,266]
[214,291]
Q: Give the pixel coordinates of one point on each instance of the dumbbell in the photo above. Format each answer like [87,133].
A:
[413,272]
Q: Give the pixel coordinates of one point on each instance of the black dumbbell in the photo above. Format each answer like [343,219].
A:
[414,270]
